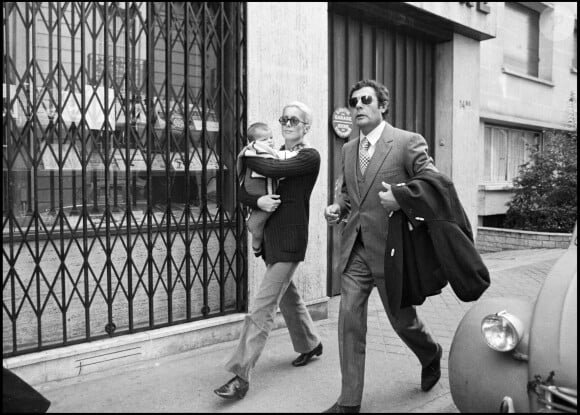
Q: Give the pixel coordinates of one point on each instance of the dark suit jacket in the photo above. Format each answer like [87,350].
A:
[286,232]
[412,269]
[398,156]
[19,397]
[439,248]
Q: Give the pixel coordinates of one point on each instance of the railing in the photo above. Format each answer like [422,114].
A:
[121,125]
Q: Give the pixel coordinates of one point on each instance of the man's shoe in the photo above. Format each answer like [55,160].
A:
[304,358]
[339,409]
[431,374]
[236,388]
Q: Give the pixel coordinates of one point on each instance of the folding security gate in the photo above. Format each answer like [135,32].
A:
[121,124]
[366,43]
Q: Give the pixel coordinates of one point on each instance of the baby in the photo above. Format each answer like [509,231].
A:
[261,144]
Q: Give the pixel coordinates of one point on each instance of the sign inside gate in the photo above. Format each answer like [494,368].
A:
[342,122]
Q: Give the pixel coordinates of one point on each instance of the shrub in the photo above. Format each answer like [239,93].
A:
[545,190]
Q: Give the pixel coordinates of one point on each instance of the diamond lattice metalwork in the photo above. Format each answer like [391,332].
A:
[121,125]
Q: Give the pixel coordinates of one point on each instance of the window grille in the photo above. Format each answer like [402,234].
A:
[122,122]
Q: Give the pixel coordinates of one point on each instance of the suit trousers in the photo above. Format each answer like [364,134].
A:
[276,290]
[356,286]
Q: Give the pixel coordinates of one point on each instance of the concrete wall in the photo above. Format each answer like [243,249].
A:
[496,239]
[288,61]
[457,117]
[493,200]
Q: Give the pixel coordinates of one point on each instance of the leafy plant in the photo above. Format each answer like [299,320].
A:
[545,190]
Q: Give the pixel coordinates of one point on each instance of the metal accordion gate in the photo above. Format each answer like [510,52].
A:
[121,126]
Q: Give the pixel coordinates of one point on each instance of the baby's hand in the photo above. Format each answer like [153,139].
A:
[269,203]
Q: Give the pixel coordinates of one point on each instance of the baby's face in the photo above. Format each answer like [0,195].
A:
[265,137]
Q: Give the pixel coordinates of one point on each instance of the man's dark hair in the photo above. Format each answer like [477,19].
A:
[380,90]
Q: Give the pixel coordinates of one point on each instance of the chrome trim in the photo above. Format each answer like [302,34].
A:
[567,395]
[517,326]
[507,406]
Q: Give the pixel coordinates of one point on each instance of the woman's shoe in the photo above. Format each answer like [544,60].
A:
[236,388]
[304,358]
[339,409]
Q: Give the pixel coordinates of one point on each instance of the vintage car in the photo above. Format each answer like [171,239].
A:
[510,355]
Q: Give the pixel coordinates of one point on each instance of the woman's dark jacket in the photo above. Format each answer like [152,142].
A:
[430,243]
[286,232]
[19,397]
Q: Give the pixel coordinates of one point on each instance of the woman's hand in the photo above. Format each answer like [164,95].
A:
[269,203]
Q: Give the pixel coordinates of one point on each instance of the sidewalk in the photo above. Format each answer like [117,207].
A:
[185,382]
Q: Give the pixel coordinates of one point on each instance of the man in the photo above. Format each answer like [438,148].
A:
[381,156]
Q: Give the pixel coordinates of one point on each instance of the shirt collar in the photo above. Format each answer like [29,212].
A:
[296,147]
[375,134]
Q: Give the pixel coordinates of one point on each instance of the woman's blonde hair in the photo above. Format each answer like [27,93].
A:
[306,112]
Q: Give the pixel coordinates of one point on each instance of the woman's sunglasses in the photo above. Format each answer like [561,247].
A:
[365,99]
[293,121]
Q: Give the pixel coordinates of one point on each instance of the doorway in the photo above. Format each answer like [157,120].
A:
[365,42]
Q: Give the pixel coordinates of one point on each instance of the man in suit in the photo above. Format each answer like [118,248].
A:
[381,156]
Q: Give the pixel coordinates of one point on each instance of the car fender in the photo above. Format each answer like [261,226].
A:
[554,329]
[481,377]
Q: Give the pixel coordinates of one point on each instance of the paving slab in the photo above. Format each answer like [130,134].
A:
[185,382]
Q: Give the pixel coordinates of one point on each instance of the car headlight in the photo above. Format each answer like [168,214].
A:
[502,331]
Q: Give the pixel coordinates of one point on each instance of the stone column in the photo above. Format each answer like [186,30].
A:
[458,146]
[288,61]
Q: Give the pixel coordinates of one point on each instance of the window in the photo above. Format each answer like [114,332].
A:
[505,150]
[522,38]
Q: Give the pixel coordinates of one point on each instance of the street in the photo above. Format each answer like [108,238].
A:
[185,382]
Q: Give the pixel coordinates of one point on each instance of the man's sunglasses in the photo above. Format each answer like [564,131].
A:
[365,99]
[293,121]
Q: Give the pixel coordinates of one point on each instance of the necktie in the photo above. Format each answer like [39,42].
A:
[363,153]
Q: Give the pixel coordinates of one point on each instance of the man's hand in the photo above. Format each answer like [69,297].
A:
[387,199]
[332,214]
[269,203]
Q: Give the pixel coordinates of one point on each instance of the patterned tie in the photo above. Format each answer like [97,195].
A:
[364,156]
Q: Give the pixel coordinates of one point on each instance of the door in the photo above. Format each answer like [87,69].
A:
[365,47]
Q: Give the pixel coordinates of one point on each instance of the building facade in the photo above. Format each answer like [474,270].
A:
[124,238]
[528,85]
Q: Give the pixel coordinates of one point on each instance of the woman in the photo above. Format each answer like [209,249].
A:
[285,239]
